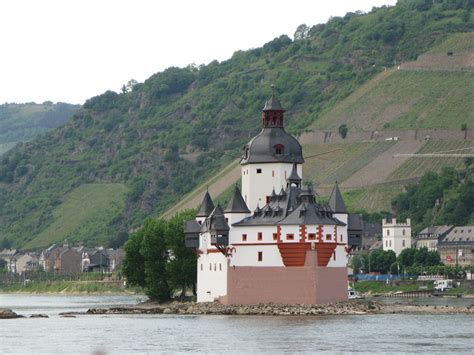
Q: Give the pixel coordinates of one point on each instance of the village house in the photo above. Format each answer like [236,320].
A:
[431,236]
[457,248]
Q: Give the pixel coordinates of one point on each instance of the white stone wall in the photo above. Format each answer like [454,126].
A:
[212,271]
[246,252]
[257,186]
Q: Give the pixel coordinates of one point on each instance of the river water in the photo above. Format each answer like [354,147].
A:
[148,334]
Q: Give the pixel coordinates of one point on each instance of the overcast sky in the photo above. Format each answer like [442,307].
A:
[71,50]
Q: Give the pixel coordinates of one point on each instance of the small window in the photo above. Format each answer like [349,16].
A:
[201,267]
[403,243]
[244,237]
[260,236]
[290,237]
[328,236]
[273,173]
[311,236]
[275,236]
[341,237]
[334,254]
[215,267]
[390,243]
[200,222]
[388,231]
[259,171]
[260,256]
[279,149]
[220,267]
[403,231]
[227,220]
[210,267]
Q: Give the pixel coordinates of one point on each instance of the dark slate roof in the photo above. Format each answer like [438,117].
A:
[192,227]
[354,222]
[261,149]
[292,206]
[459,235]
[434,232]
[273,104]
[217,220]
[294,177]
[206,206]
[237,203]
[336,202]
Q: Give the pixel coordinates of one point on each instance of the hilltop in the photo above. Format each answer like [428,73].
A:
[23,122]
[153,143]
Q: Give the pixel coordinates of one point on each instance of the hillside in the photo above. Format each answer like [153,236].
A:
[22,122]
[180,127]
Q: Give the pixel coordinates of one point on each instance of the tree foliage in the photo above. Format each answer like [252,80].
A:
[444,198]
[157,259]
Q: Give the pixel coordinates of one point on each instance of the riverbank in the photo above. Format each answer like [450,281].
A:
[344,308]
[70,287]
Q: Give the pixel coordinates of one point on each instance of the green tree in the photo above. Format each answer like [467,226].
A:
[182,264]
[155,252]
[356,264]
[133,267]
[343,130]
[5,244]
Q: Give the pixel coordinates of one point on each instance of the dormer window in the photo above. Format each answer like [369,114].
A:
[279,149]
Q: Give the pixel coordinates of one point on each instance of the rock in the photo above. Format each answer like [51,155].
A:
[6,313]
[167,311]
[39,316]
[68,316]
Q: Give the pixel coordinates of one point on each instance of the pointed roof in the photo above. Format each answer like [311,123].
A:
[218,222]
[206,206]
[273,104]
[294,177]
[336,202]
[237,203]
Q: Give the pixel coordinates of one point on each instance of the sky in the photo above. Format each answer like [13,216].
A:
[71,50]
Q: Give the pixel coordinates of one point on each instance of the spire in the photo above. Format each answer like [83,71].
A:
[218,221]
[336,202]
[237,203]
[294,177]
[206,206]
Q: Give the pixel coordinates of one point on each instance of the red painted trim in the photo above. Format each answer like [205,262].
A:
[302,233]
[210,251]
[289,243]
[320,233]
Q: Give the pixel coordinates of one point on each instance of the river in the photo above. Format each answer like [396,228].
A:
[125,334]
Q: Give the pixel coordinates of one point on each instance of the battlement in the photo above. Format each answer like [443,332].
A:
[387,223]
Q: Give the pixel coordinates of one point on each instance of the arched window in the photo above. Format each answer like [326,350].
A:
[279,149]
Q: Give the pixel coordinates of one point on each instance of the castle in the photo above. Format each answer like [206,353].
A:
[274,242]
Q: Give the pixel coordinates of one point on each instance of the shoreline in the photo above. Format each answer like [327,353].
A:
[352,307]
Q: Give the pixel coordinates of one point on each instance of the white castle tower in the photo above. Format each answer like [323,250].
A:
[396,236]
[269,157]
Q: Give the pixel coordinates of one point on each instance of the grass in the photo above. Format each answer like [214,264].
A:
[407,99]
[417,166]
[455,43]
[5,147]
[68,287]
[381,287]
[84,213]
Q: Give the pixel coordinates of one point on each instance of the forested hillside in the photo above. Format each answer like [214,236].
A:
[22,122]
[156,140]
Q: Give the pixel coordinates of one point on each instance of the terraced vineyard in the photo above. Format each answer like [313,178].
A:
[83,214]
[341,161]
[417,166]
[372,199]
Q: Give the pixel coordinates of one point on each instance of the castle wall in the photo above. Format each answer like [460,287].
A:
[211,276]
[286,285]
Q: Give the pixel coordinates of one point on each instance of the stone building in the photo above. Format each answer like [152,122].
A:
[457,248]
[431,236]
[396,236]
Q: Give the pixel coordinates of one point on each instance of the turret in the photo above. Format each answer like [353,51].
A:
[269,157]
[205,209]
